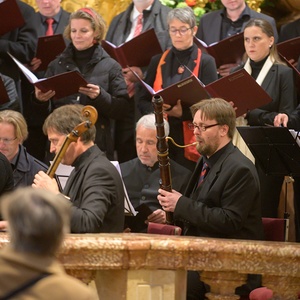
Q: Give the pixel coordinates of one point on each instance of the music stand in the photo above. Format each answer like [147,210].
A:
[277,151]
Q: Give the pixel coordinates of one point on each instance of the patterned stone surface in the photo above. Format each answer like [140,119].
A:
[278,262]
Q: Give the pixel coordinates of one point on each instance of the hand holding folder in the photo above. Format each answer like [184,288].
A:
[48,47]
[63,84]
[238,87]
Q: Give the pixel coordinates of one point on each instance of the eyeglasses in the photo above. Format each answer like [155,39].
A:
[181,31]
[201,127]
[7,141]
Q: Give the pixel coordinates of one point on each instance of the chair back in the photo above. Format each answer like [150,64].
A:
[166,229]
[274,229]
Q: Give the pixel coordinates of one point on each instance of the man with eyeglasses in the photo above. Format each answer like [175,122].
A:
[224,202]
[13,131]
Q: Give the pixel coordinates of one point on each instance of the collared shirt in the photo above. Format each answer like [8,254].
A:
[215,157]
[55,23]
[229,27]
[134,18]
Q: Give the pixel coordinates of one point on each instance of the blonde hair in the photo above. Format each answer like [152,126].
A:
[17,120]
[97,22]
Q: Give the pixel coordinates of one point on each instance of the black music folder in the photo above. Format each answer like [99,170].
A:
[227,51]
[276,149]
[136,52]
[10,16]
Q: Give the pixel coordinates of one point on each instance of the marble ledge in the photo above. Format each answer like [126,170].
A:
[129,251]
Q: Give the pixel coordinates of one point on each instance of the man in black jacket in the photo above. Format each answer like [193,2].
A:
[141,175]
[217,202]
[94,187]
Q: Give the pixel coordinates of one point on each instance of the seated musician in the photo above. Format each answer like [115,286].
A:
[141,175]
[94,188]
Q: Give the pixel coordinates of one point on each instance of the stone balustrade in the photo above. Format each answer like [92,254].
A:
[143,266]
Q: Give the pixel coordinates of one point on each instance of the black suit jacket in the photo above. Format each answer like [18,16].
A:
[289,31]
[20,42]
[227,203]
[279,84]
[209,29]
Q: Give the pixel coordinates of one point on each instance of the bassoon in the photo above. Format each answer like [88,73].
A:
[162,150]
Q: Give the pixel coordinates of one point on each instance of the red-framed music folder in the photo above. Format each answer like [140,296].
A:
[10,16]
[238,87]
[63,84]
[227,51]
[3,93]
[136,52]
[290,49]
[48,47]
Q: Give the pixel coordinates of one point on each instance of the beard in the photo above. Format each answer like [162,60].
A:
[207,149]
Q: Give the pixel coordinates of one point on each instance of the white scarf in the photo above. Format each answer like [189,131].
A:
[263,72]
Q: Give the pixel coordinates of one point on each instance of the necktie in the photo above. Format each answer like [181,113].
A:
[139,25]
[49,31]
[203,173]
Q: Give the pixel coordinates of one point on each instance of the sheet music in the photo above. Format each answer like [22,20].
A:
[296,136]
[63,172]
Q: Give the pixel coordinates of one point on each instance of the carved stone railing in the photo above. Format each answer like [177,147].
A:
[143,266]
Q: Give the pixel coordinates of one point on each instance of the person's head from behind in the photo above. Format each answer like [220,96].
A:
[259,41]
[37,220]
[213,124]
[182,27]
[60,123]
[13,131]
[48,8]
[146,139]
[86,28]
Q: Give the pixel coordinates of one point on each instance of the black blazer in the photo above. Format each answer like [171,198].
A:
[20,42]
[227,203]
[289,31]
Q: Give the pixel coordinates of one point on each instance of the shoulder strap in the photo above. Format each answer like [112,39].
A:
[25,286]
[157,85]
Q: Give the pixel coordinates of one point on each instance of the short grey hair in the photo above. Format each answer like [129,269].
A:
[37,220]
[148,121]
[184,14]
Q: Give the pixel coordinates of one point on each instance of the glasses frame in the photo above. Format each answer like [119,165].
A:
[201,128]
[174,31]
[7,141]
